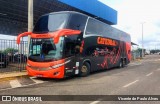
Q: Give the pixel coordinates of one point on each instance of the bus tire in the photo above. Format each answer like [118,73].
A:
[120,64]
[125,62]
[85,70]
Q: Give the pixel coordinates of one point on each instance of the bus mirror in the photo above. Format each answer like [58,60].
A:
[65,32]
[22,35]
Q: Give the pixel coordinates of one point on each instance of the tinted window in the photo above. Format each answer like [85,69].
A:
[95,27]
[49,23]
[72,45]
[127,38]
[99,28]
[77,22]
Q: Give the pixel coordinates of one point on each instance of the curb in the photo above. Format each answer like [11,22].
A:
[12,75]
[136,60]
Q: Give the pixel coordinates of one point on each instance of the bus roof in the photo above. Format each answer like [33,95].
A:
[73,12]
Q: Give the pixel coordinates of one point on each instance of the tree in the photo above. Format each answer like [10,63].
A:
[10,51]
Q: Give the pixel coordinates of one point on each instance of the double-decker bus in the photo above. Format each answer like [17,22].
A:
[69,43]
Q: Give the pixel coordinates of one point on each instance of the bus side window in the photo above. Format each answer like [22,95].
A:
[95,27]
[77,22]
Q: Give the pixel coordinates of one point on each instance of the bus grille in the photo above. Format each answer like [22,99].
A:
[40,68]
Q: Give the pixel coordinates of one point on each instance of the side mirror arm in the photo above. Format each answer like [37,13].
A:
[64,32]
[22,35]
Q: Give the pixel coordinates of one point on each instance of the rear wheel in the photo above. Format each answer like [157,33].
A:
[85,70]
[120,64]
[125,62]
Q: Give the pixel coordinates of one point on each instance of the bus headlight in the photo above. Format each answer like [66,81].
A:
[59,65]
[56,66]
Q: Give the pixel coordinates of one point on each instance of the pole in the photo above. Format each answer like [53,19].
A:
[30,20]
[142,39]
[30,15]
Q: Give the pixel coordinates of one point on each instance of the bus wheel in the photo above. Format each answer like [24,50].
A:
[85,69]
[120,64]
[125,62]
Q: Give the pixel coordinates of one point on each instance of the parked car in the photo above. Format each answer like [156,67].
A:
[3,60]
[20,58]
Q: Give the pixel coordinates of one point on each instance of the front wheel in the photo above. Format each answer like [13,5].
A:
[85,70]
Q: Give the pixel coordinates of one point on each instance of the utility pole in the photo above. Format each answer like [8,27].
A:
[142,39]
[30,15]
[30,19]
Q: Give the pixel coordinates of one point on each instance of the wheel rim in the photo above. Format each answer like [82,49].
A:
[84,69]
[120,64]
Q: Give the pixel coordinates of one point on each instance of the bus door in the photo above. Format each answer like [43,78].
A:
[71,54]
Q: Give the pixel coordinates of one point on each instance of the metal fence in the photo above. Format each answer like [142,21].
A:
[13,57]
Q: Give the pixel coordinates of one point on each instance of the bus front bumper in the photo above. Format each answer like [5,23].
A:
[51,73]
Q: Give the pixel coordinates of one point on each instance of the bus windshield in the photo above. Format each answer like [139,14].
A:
[57,21]
[50,23]
[45,50]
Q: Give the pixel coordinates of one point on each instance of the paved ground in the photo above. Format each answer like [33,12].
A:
[12,66]
[139,78]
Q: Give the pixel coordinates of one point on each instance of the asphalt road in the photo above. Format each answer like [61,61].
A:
[138,78]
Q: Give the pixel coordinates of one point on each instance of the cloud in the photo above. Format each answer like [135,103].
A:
[131,13]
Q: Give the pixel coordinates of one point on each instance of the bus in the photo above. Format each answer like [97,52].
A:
[69,43]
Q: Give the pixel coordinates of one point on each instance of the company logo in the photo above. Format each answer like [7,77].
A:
[21,98]
[42,36]
[106,41]
[6,98]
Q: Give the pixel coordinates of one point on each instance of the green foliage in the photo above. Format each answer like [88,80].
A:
[10,50]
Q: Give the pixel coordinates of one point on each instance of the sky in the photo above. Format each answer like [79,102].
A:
[132,14]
